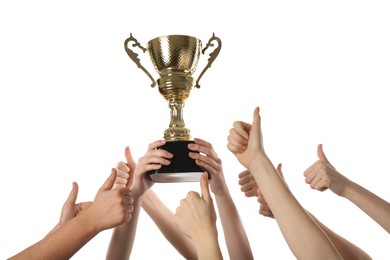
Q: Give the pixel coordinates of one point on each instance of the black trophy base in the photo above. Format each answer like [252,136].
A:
[182,168]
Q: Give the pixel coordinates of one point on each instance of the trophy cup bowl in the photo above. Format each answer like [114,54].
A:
[175,58]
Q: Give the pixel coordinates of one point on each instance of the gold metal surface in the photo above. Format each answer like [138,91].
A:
[175,58]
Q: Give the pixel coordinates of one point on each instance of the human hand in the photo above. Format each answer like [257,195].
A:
[111,207]
[248,184]
[245,141]
[209,160]
[196,215]
[152,160]
[322,175]
[125,171]
[70,209]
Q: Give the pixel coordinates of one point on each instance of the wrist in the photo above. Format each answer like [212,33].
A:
[257,162]
[205,236]
[207,245]
[90,222]
[350,188]
[221,190]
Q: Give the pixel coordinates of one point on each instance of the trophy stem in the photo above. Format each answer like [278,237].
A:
[177,130]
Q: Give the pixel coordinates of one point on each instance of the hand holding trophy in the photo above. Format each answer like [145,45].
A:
[175,58]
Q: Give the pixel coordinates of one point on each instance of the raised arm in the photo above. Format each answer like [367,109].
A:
[109,209]
[234,232]
[304,237]
[346,249]
[322,176]
[122,239]
[197,219]
[163,218]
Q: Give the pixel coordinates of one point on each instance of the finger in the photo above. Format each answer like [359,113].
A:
[156,144]
[109,183]
[212,166]
[314,182]
[123,167]
[252,193]
[310,176]
[321,154]
[235,147]
[242,129]
[245,179]
[255,132]
[121,177]
[261,200]
[73,194]
[202,142]
[266,211]
[310,169]
[322,185]
[244,173]
[279,169]
[246,187]
[237,141]
[129,157]
[131,163]
[204,148]
[204,187]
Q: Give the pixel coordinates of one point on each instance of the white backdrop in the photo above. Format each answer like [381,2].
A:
[71,100]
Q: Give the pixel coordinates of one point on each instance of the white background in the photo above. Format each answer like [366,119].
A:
[71,100]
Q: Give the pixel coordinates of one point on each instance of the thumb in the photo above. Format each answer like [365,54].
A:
[204,187]
[256,118]
[129,157]
[255,130]
[321,154]
[279,169]
[109,182]
[131,163]
[73,194]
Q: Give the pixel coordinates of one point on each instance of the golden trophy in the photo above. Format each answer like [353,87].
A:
[175,58]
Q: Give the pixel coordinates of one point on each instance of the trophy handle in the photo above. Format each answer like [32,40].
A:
[212,55]
[134,56]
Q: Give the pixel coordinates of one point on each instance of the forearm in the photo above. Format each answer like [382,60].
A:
[163,218]
[207,246]
[235,236]
[374,206]
[122,239]
[304,237]
[63,243]
[346,249]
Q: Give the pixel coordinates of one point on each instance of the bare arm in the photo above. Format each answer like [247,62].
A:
[322,175]
[134,175]
[304,237]
[62,243]
[234,232]
[346,249]
[122,239]
[109,209]
[374,206]
[163,218]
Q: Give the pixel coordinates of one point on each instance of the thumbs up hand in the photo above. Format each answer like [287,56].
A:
[70,209]
[322,175]
[111,207]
